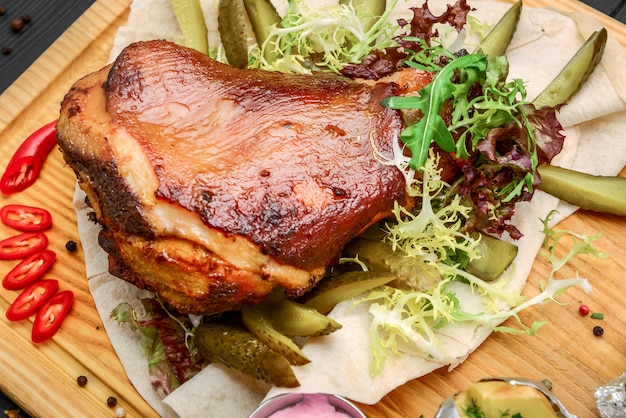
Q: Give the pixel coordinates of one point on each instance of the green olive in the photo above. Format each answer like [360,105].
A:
[345,286]
[238,349]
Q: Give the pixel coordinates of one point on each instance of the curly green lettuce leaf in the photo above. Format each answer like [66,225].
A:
[436,231]
[313,37]
[406,321]
[581,244]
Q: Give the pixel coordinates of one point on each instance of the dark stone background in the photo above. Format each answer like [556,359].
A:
[49,19]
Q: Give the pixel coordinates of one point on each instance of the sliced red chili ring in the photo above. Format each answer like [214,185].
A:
[29,270]
[20,174]
[22,245]
[50,316]
[26,218]
[31,298]
[25,165]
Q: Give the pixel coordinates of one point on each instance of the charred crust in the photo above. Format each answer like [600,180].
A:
[73,111]
[124,79]
[300,291]
[91,216]
[221,294]
[110,193]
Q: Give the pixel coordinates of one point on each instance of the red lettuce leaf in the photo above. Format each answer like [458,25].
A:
[382,63]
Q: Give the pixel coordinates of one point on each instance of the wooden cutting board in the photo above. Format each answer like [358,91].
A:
[42,378]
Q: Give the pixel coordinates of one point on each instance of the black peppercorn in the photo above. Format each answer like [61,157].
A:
[81,380]
[26,19]
[111,401]
[6,50]
[3,10]
[598,331]
[71,246]
[17,24]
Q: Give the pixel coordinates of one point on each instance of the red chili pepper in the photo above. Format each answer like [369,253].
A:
[31,298]
[51,315]
[29,270]
[26,218]
[22,245]
[23,168]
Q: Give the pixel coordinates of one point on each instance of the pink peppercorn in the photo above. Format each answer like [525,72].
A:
[583,310]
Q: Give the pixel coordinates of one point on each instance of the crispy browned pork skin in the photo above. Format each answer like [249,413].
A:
[213,185]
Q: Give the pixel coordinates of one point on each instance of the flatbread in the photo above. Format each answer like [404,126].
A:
[594,124]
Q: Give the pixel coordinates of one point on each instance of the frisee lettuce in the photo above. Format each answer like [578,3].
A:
[581,244]
[313,37]
[406,321]
[436,230]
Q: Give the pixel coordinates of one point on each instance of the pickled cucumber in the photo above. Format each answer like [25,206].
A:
[412,273]
[575,72]
[235,30]
[333,290]
[263,16]
[498,39]
[238,349]
[191,22]
[602,194]
[295,319]
[258,320]
[496,256]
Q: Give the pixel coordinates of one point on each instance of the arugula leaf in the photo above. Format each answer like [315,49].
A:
[431,127]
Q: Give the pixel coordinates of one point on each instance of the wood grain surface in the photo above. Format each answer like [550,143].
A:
[42,378]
